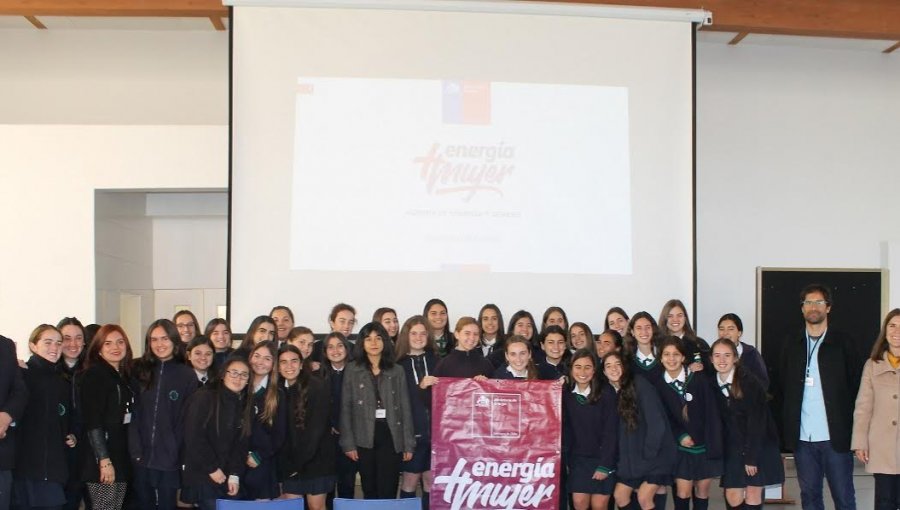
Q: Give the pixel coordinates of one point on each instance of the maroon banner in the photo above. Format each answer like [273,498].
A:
[495,444]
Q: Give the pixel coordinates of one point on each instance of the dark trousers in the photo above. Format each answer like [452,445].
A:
[155,489]
[379,466]
[887,492]
[346,475]
[5,489]
[817,460]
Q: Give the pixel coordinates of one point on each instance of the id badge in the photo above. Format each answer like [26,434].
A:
[810,382]
[127,419]
[381,414]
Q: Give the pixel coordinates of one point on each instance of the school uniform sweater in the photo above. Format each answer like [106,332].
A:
[650,448]
[590,429]
[44,425]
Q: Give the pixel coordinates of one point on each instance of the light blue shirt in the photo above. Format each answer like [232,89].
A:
[813,419]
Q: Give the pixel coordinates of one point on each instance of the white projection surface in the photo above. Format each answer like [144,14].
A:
[382,157]
[457,162]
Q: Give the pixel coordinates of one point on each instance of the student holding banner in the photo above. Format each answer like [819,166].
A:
[465,360]
[415,353]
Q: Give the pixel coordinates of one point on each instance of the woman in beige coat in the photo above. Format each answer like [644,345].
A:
[875,420]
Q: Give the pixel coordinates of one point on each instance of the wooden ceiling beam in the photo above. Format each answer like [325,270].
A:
[857,19]
[148,8]
[860,19]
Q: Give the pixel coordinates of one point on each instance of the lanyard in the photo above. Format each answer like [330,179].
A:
[415,373]
[375,380]
[815,345]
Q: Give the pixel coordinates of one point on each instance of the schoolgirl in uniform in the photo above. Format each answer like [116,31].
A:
[303,339]
[617,320]
[580,337]
[217,428]
[435,312]
[200,354]
[387,317]
[608,341]
[556,354]
[643,346]
[269,423]
[465,360]
[307,458]
[519,364]
[490,320]
[732,327]
[262,329]
[674,321]
[646,446]
[336,357]
[219,333]
[693,413]
[44,432]
[590,434]
[522,324]
[415,353]
[157,432]
[71,364]
[554,316]
[752,457]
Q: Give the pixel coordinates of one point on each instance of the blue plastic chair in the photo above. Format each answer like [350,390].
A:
[378,504]
[275,504]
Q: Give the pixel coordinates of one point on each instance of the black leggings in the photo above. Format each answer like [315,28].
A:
[887,492]
[379,466]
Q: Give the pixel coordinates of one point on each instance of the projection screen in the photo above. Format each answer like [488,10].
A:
[517,153]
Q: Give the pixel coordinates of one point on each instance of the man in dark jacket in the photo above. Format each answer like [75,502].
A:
[819,377]
[13,397]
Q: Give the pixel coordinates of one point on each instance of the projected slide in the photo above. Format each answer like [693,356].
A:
[451,175]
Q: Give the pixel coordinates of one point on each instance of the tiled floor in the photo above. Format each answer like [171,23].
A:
[864,483]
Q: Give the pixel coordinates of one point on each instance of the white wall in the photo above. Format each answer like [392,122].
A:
[83,110]
[797,166]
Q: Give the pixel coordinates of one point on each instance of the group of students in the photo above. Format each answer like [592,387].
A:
[647,405]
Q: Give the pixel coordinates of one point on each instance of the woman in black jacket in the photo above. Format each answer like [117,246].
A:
[217,428]
[71,365]
[106,404]
[306,460]
[41,468]
[156,434]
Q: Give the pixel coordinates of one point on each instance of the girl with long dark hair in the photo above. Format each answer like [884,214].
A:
[156,434]
[306,459]
[71,364]
[376,418]
[435,312]
[217,428]
[590,434]
[646,445]
[269,424]
[490,320]
[752,457]
[643,346]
